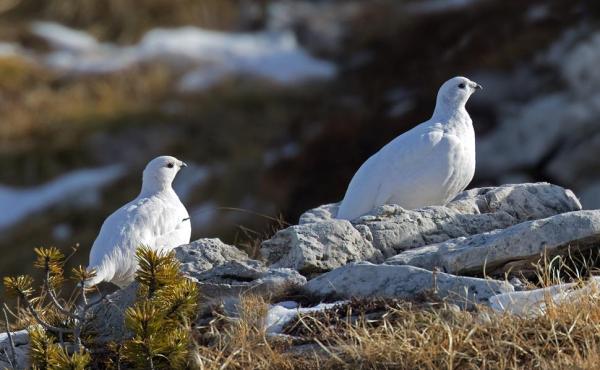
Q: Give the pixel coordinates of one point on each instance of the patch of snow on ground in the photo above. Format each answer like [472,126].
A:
[282,313]
[18,204]
[213,55]
[64,38]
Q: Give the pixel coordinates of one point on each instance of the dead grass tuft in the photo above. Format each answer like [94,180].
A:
[393,334]
[36,103]
[126,21]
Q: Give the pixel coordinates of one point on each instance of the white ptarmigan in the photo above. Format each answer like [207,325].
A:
[427,165]
[156,218]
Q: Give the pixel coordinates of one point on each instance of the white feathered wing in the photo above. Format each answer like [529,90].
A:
[424,166]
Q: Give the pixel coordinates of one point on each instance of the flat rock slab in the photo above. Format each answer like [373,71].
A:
[527,201]
[247,277]
[531,303]
[492,250]
[367,280]
[321,243]
[204,254]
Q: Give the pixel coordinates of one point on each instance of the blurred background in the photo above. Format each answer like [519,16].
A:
[273,104]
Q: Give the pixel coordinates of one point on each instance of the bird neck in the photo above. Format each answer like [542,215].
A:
[154,185]
[449,112]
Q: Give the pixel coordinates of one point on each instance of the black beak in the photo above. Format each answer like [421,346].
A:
[478,87]
[183,165]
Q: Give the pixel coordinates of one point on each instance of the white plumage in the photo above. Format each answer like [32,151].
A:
[428,165]
[156,218]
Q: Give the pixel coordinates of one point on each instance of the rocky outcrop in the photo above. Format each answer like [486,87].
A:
[490,251]
[367,280]
[520,201]
[20,341]
[236,278]
[321,243]
[319,247]
[204,254]
[550,132]
[479,232]
[222,272]
[106,321]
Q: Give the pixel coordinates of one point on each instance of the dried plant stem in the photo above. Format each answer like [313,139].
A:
[13,355]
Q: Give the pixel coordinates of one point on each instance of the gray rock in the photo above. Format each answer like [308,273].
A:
[574,161]
[204,254]
[322,213]
[525,137]
[21,346]
[247,277]
[523,202]
[475,211]
[367,280]
[490,251]
[197,257]
[321,246]
[232,274]
[320,243]
[533,303]
[106,321]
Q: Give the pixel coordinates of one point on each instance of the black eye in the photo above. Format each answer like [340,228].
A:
[462,86]
[170,165]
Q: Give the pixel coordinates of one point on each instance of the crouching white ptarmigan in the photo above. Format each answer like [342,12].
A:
[156,219]
[428,165]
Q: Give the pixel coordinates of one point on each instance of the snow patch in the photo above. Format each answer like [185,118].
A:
[209,56]
[282,313]
[64,38]
[18,204]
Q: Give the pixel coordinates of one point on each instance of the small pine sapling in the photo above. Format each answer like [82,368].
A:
[65,320]
[161,318]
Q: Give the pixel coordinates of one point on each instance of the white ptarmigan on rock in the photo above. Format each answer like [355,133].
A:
[156,218]
[428,165]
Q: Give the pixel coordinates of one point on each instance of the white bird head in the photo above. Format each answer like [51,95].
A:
[160,173]
[454,94]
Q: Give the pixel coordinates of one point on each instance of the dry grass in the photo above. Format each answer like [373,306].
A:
[409,336]
[36,103]
[126,21]
[425,333]
[396,334]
